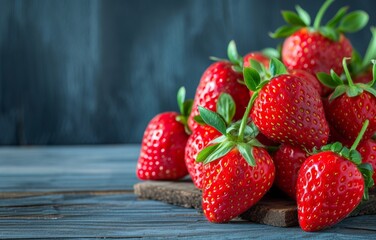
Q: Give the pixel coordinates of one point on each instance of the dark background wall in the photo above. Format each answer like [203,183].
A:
[87,72]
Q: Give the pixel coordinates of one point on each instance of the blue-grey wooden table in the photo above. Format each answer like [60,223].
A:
[87,192]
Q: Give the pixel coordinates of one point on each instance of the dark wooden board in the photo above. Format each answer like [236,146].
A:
[271,210]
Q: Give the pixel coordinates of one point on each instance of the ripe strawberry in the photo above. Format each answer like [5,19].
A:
[199,139]
[308,78]
[231,186]
[331,184]
[318,48]
[221,77]
[350,104]
[237,170]
[368,151]
[288,160]
[163,144]
[287,110]
[202,136]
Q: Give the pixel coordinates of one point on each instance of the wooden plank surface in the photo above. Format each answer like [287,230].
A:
[273,209]
[77,204]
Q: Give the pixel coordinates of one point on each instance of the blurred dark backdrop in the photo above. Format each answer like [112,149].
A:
[90,72]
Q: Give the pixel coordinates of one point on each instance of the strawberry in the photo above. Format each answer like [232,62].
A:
[163,144]
[318,48]
[202,136]
[308,78]
[238,171]
[199,139]
[288,160]
[331,184]
[350,104]
[368,151]
[221,77]
[286,109]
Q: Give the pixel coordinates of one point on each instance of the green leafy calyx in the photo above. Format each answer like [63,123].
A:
[340,23]
[185,107]
[347,86]
[233,56]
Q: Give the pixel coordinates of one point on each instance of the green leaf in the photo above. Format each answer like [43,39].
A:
[304,16]
[293,18]
[353,91]
[226,107]
[277,67]
[219,139]
[187,107]
[371,50]
[251,78]
[223,148]
[355,157]
[337,17]
[237,68]
[330,33]
[199,120]
[371,91]
[338,91]
[233,54]
[335,77]
[251,131]
[326,79]
[181,99]
[256,65]
[271,52]
[217,59]
[254,142]
[373,70]
[213,119]
[204,153]
[246,151]
[353,22]
[367,172]
[336,147]
[284,31]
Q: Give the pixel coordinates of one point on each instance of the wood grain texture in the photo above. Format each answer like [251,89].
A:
[272,210]
[92,71]
[75,204]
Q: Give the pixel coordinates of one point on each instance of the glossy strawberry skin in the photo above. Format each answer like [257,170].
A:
[329,188]
[198,140]
[368,151]
[310,51]
[258,56]
[308,78]
[219,78]
[162,149]
[288,160]
[231,186]
[347,115]
[289,111]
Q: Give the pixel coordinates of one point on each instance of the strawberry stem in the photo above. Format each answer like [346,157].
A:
[360,135]
[246,116]
[348,76]
[321,13]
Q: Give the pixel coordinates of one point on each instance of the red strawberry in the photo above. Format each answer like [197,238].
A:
[331,184]
[231,186]
[288,160]
[368,151]
[364,77]
[318,48]
[221,77]
[350,105]
[199,139]
[163,144]
[237,170]
[202,136]
[308,78]
[286,109]
[329,188]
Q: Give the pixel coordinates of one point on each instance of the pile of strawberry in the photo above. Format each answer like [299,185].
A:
[302,119]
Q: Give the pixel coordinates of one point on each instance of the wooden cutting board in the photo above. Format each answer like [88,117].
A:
[273,209]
